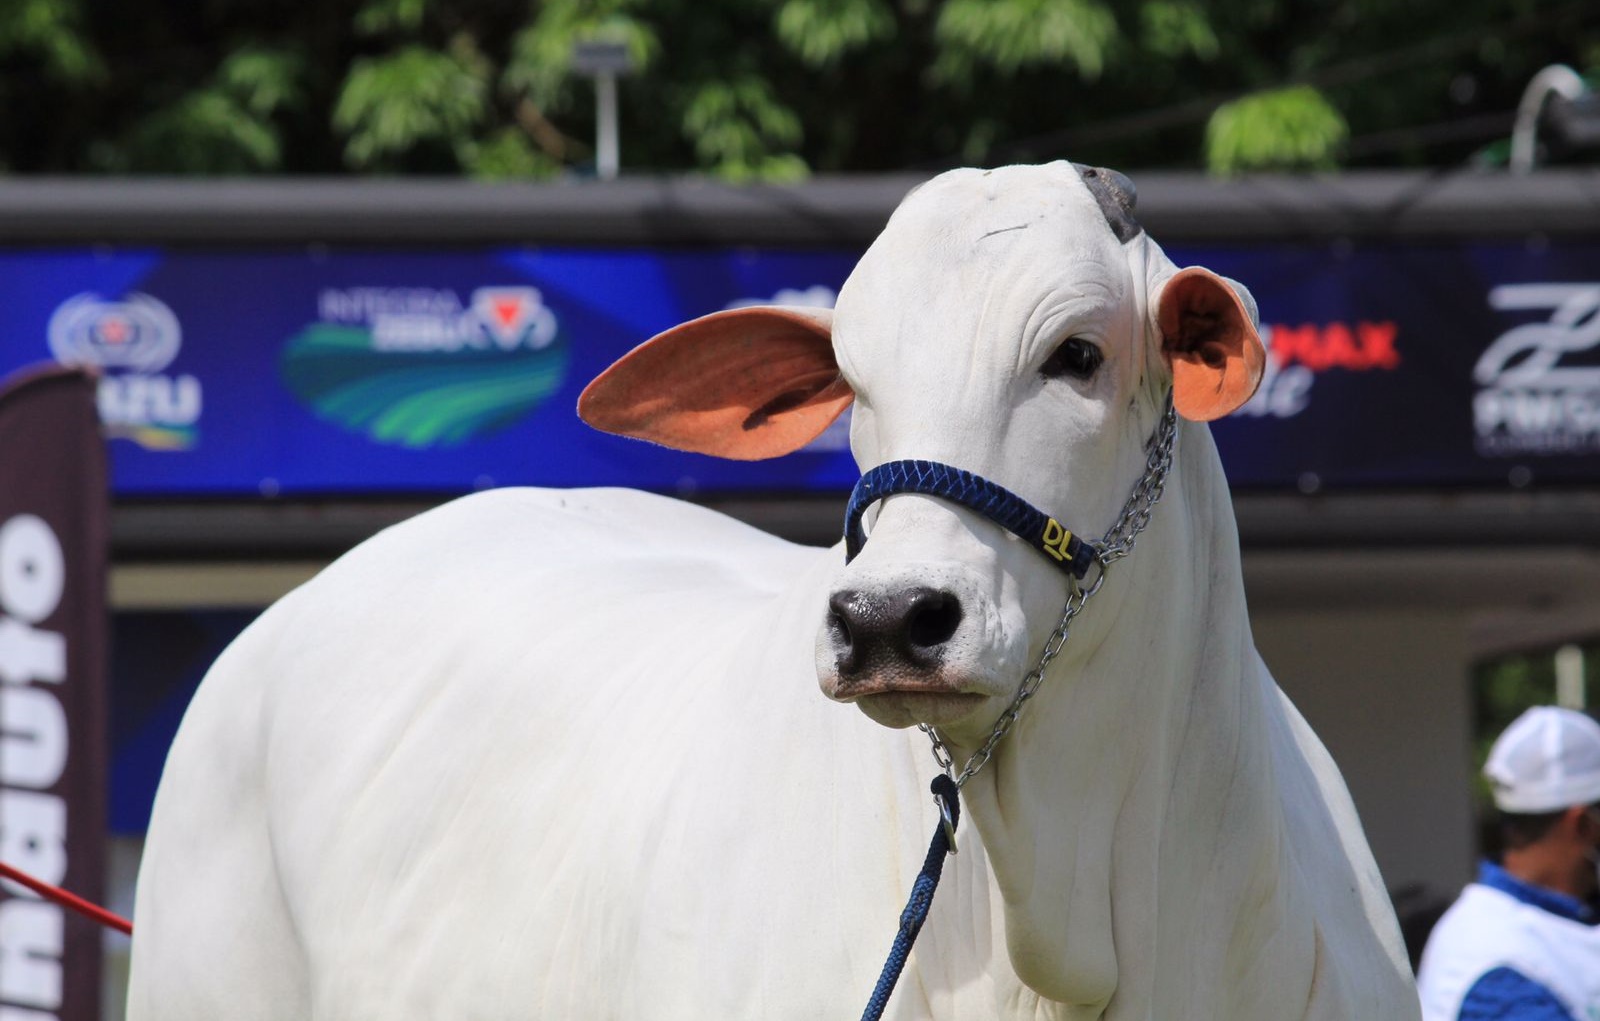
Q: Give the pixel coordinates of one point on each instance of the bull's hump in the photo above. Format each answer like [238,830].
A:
[971,206]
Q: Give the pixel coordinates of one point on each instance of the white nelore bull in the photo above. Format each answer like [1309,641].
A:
[562,755]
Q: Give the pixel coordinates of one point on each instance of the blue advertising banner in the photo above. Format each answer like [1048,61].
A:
[1417,365]
[314,372]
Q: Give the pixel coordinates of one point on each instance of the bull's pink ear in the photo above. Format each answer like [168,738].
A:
[747,384]
[1210,340]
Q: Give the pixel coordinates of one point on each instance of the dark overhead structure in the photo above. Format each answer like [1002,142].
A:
[826,211]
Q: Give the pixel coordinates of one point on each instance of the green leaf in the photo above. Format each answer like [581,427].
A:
[820,32]
[507,155]
[738,127]
[1010,35]
[780,168]
[1175,28]
[380,16]
[1292,128]
[49,29]
[264,81]
[390,105]
[205,132]
[540,65]
[224,127]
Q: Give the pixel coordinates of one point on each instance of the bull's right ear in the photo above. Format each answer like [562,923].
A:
[747,384]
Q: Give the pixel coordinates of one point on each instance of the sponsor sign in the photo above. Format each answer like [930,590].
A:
[1297,354]
[131,341]
[419,367]
[52,668]
[433,372]
[1539,382]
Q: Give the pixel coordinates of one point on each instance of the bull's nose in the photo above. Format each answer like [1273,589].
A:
[909,627]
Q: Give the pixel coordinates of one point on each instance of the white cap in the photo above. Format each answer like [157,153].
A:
[1547,760]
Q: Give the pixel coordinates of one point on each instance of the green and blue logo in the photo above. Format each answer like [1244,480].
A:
[416,367]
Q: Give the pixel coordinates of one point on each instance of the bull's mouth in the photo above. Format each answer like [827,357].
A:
[901,703]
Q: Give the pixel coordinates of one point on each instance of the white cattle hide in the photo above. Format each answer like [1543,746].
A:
[564,755]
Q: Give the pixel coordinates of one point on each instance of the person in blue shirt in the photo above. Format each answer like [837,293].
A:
[1521,943]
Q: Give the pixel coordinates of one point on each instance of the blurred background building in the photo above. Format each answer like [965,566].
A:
[338,263]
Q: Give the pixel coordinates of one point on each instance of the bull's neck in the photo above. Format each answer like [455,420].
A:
[1123,793]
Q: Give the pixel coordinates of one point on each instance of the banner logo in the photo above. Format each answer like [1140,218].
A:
[418,367]
[1296,355]
[1539,382]
[132,341]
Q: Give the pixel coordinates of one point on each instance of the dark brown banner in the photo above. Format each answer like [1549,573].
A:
[53,539]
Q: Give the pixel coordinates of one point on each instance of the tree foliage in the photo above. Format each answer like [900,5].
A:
[1289,127]
[1018,34]
[767,89]
[413,98]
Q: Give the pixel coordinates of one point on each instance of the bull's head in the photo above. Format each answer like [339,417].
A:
[1015,323]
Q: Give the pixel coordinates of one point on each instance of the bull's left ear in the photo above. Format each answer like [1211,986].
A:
[747,384]
[1209,337]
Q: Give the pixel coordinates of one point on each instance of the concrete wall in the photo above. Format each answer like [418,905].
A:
[1376,647]
[1387,691]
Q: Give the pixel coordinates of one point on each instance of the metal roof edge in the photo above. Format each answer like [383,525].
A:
[826,210]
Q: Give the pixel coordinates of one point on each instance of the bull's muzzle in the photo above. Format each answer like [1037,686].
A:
[890,634]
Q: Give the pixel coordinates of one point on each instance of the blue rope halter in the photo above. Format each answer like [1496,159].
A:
[1005,508]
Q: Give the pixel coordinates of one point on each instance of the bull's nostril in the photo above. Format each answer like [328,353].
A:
[842,609]
[933,619]
[840,628]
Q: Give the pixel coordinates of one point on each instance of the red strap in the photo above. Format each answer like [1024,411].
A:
[65,899]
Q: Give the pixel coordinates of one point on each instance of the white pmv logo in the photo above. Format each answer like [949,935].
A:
[1540,381]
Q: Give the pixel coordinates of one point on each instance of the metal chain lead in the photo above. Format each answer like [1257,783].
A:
[1135,515]
[1118,543]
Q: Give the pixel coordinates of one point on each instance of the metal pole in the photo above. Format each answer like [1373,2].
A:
[1569,677]
[606,156]
[1557,78]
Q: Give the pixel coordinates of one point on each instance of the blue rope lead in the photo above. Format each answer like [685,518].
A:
[916,911]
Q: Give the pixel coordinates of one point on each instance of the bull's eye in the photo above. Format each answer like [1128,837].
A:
[1076,358]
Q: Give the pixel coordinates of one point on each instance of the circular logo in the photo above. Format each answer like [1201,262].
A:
[136,334]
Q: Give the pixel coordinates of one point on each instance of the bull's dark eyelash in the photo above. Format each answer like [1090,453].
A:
[1075,358]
